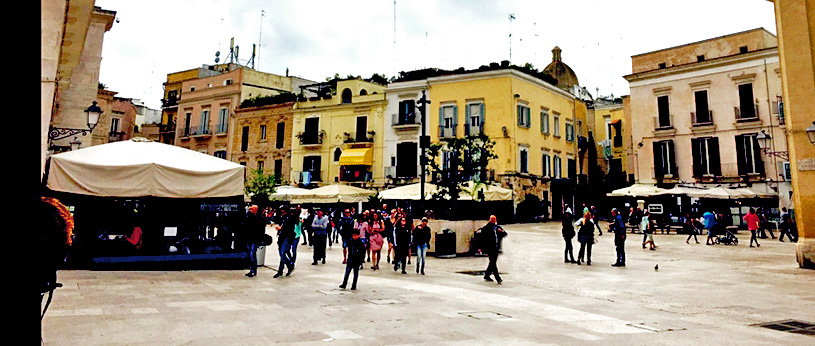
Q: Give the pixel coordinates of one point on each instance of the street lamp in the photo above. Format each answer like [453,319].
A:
[92,114]
[811,133]
[75,144]
[764,143]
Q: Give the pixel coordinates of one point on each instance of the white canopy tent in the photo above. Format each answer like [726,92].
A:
[468,193]
[141,168]
[491,192]
[408,192]
[336,193]
[287,192]
[637,190]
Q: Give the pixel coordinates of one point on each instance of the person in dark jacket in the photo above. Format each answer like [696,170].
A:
[401,240]
[568,234]
[421,239]
[254,226]
[618,228]
[346,227]
[491,234]
[595,215]
[356,256]
[585,235]
[285,240]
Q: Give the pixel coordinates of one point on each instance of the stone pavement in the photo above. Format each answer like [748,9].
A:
[713,295]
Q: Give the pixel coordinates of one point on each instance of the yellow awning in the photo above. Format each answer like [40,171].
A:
[357,156]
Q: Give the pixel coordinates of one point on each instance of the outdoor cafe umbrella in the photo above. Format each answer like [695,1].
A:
[287,192]
[637,190]
[336,193]
[409,192]
[490,192]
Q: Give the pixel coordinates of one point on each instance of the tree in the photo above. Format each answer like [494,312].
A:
[260,186]
[455,161]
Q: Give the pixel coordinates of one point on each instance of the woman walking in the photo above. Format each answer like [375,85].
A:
[752,221]
[375,239]
[421,239]
[648,229]
[568,234]
[690,225]
[361,228]
[401,239]
[644,226]
[585,235]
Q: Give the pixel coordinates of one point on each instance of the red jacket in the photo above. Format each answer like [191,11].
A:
[752,221]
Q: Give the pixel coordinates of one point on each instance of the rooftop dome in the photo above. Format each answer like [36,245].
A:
[564,74]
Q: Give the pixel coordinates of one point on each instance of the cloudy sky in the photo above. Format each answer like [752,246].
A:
[315,39]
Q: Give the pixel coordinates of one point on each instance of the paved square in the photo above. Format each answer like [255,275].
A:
[714,295]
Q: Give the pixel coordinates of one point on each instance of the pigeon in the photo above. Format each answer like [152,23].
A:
[656,267]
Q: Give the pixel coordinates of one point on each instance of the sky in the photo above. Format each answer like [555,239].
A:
[316,39]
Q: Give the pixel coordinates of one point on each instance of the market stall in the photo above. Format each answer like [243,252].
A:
[145,202]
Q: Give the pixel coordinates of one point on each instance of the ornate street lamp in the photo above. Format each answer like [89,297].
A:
[92,113]
[75,144]
[811,133]
[764,143]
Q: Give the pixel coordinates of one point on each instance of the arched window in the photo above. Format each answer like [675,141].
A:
[337,154]
[346,96]
[363,92]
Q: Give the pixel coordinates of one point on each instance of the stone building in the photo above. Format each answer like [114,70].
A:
[264,139]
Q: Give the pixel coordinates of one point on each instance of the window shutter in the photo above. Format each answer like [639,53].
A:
[698,153]
[481,121]
[713,154]
[455,119]
[672,159]
[467,120]
[520,115]
[441,122]
[528,117]
[759,162]
[658,160]
[740,157]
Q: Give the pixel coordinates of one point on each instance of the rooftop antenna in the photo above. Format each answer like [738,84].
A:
[511,18]
[260,38]
[535,43]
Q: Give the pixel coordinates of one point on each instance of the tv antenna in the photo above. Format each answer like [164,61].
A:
[260,36]
[511,18]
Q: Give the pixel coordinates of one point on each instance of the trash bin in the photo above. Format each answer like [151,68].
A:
[446,243]
[261,255]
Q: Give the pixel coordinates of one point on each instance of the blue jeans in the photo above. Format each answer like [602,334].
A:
[285,254]
[421,251]
[294,250]
[253,257]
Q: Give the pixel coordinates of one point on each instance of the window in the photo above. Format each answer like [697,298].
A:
[407,112]
[618,133]
[114,125]
[311,164]
[311,131]
[192,88]
[262,133]
[569,132]
[227,82]
[748,155]
[706,157]
[700,58]
[281,135]
[556,125]
[546,168]
[346,96]
[556,167]
[663,65]
[544,122]
[278,168]
[664,160]
[245,138]
[702,115]
[663,107]
[362,129]
[448,121]
[609,129]
[475,119]
[407,157]
[572,167]
[524,119]
[743,49]
[221,154]
[223,120]
[523,160]
[187,124]
[260,165]
[747,109]
[204,123]
[363,92]
[337,154]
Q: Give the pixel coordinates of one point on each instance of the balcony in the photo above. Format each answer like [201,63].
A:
[702,119]
[311,140]
[405,121]
[447,132]
[746,115]
[200,131]
[314,176]
[663,128]
[115,136]
[395,173]
[359,137]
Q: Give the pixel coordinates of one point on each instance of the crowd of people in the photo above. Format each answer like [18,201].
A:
[362,234]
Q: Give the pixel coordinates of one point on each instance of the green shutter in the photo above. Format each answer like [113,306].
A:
[481,121]
[441,122]
[466,120]
[455,119]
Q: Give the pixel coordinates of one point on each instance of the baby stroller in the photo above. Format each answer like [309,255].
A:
[728,238]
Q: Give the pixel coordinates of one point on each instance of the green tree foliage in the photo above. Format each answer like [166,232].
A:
[260,186]
[259,101]
[455,161]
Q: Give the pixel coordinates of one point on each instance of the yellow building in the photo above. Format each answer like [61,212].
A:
[795,21]
[337,135]
[613,142]
[535,126]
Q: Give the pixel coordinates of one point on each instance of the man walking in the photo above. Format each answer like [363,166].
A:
[319,226]
[285,240]
[491,234]
[618,227]
[254,229]
[346,226]
[595,216]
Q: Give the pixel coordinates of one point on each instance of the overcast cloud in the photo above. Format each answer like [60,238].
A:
[315,39]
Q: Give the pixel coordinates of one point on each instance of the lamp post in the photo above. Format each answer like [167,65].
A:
[424,143]
[75,144]
[92,115]
[764,143]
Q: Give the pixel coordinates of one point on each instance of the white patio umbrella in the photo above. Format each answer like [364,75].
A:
[683,190]
[491,192]
[408,192]
[336,193]
[287,192]
[637,190]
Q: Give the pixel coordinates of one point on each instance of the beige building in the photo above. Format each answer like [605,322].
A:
[611,133]
[795,21]
[71,39]
[698,110]
[263,140]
